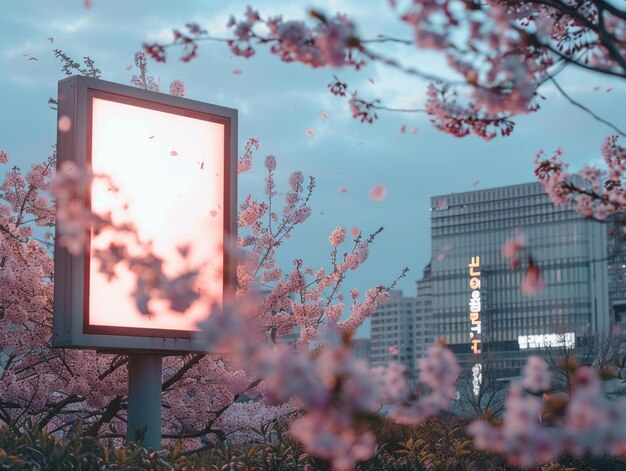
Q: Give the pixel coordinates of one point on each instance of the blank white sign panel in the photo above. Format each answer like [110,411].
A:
[169,171]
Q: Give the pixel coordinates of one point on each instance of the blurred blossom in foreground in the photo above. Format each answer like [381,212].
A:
[336,394]
[532,431]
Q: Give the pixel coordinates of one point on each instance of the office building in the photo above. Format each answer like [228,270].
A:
[392,331]
[477,302]
[361,349]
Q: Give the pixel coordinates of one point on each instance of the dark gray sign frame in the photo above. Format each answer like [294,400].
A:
[71,327]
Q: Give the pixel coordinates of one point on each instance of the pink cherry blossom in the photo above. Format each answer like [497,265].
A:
[177,88]
[337,236]
[536,376]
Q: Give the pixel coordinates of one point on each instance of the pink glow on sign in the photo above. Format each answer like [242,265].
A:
[167,199]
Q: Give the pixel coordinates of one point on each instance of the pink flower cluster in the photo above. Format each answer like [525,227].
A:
[177,88]
[333,391]
[329,43]
[438,371]
[534,432]
[337,236]
[593,193]
[450,115]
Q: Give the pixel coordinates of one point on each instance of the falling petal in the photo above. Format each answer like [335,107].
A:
[370,80]
[173,153]
[475,182]
[213,213]
[609,90]
[87,4]
[343,190]
[151,137]
[443,204]
[402,129]
[440,257]
[359,143]
[322,213]
[533,281]
[324,114]
[413,130]
[514,263]
[595,89]
[128,67]
[310,132]
[513,246]
[51,40]
[378,193]
[65,123]
[393,350]
[355,232]
[237,72]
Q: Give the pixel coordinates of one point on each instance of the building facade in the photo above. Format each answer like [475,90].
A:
[392,331]
[402,327]
[477,302]
[362,348]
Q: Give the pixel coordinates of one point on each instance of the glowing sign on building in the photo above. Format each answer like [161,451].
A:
[475,305]
[477,378]
[567,340]
[475,308]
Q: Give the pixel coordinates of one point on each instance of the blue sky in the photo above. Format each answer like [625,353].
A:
[278,102]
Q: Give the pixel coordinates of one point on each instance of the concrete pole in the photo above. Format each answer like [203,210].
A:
[144,399]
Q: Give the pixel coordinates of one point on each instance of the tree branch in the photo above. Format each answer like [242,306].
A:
[585,109]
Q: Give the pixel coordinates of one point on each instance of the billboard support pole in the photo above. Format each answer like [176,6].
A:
[144,399]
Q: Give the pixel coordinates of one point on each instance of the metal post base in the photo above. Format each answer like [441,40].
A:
[144,400]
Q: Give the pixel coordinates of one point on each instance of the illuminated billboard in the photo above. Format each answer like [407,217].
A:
[567,340]
[165,181]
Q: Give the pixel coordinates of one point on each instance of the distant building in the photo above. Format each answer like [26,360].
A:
[361,349]
[617,274]
[392,331]
[402,327]
[423,331]
[477,302]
